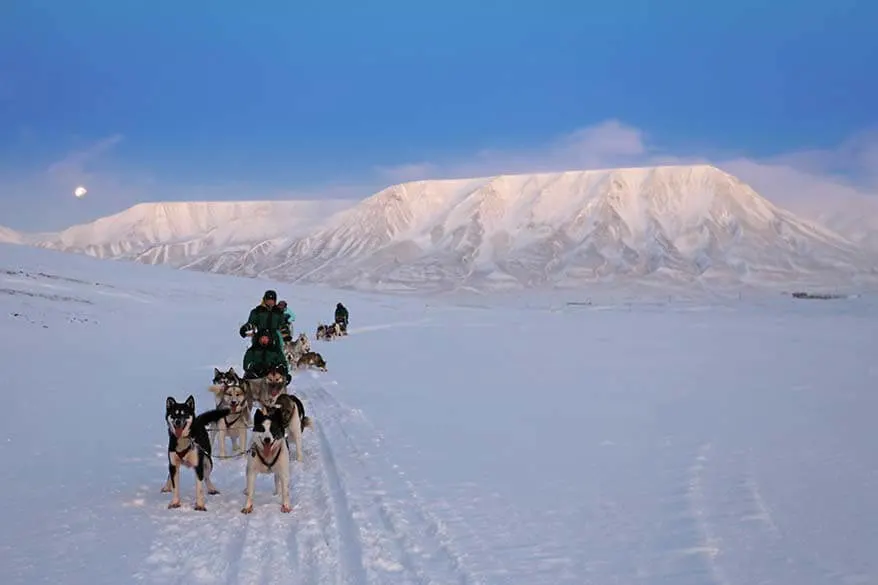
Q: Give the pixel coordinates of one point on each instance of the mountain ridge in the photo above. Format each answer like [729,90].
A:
[543,229]
[168,232]
[687,223]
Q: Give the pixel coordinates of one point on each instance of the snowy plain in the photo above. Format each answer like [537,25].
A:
[518,442]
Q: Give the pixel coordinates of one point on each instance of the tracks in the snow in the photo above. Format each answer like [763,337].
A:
[356,520]
[399,541]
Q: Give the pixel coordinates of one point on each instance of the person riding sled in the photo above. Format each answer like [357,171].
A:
[341,317]
[266,315]
[286,329]
[264,354]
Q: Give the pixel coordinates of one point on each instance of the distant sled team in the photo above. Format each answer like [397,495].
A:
[338,328]
[267,364]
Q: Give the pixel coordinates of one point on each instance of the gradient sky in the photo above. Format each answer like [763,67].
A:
[221,99]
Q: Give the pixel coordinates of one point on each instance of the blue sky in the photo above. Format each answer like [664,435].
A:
[175,100]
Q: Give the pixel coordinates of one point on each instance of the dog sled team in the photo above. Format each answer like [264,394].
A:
[338,328]
[267,363]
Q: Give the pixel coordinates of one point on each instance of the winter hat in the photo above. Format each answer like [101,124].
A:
[269,295]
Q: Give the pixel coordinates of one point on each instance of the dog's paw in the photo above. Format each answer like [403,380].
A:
[286,508]
[173,505]
[247,509]
[200,508]
[213,492]
[166,489]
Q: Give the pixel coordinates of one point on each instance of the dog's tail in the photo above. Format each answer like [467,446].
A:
[212,416]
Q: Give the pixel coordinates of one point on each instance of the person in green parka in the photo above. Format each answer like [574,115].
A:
[264,354]
[267,315]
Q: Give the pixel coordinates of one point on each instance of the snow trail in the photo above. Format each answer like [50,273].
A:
[356,519]
[398,540]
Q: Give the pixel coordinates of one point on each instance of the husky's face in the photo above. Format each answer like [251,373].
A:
[225,378]
[179,415]
[268,432]
[276,382]
[233,398]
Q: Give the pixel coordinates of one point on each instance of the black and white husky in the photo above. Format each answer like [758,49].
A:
[189,445]
[269,453]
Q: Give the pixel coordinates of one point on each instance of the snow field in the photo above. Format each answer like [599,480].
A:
[502,443]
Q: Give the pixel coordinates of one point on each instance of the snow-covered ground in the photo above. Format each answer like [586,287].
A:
[727,444]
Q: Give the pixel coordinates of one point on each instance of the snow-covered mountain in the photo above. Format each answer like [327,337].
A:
[174,233]
[10,236]
[674,224]
[664,225]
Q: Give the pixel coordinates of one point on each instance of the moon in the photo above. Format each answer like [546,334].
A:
[80,192]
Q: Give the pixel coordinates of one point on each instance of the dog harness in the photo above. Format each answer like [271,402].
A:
[229,424]
[182,454]
[255,451]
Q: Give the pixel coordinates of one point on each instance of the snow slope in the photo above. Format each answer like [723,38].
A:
[173,233]
[523,442]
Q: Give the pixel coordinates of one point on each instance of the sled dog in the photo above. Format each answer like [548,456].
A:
[269,453]
[327,332]
[293,419]
[265,390]
[311,358]
[226,378]
[270,392]
[235,424]
[295,349]
[189,445]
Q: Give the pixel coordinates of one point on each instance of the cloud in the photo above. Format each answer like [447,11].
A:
[406,172]
[608,144]
[73,168]
[613,144]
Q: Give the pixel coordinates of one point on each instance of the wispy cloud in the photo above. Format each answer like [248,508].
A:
[75,166]
[608,144]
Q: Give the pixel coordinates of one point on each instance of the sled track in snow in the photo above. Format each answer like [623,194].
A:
[398,541]
[356,520]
